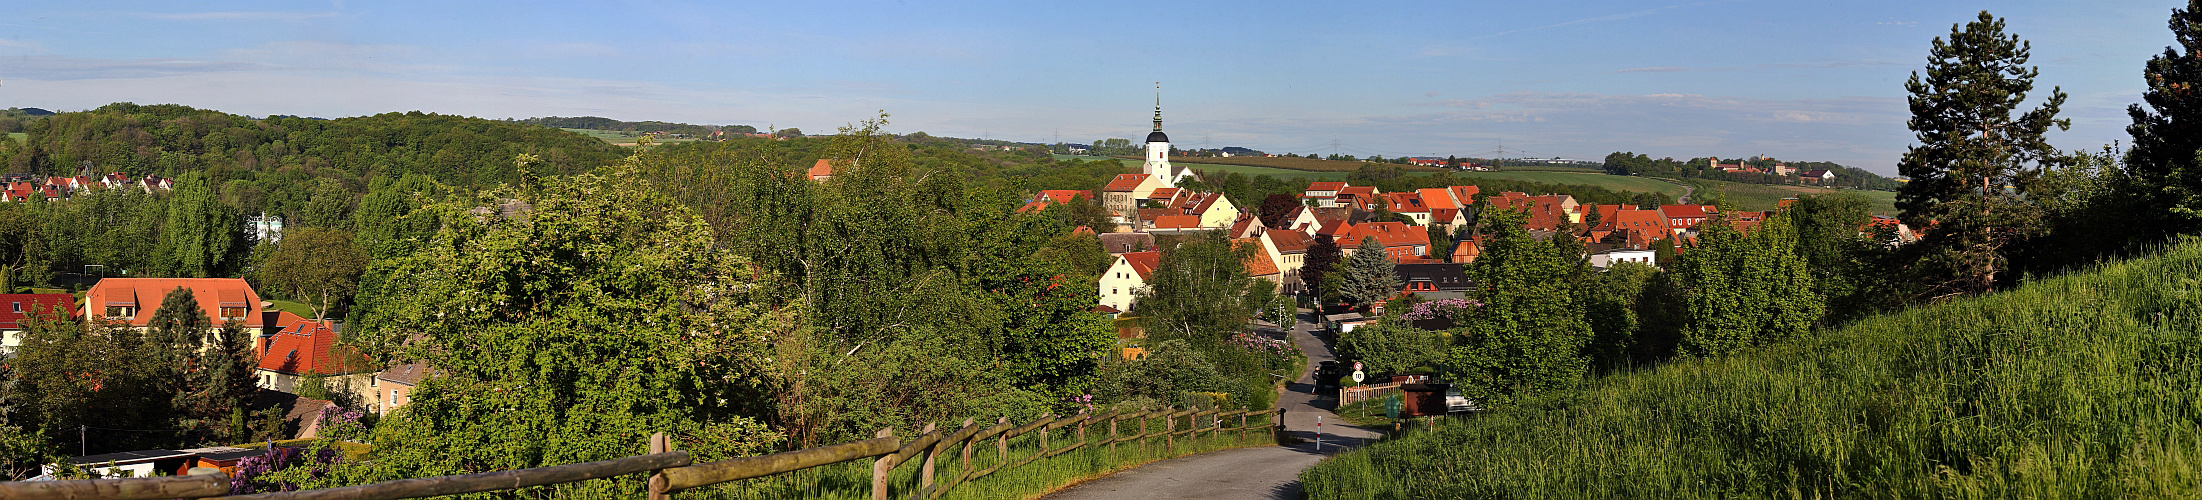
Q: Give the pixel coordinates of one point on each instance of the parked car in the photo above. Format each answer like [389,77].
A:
[1326,375]
[1456,403]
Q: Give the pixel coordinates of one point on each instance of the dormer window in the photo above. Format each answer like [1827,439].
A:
[122,312]
[233,312]
[18,307]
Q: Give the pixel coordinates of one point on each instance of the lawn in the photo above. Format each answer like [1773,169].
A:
[294,307]
[2079,386]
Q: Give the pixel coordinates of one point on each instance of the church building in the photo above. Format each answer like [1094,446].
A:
[1158,154]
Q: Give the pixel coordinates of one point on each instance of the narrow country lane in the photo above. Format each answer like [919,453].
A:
[1254,473]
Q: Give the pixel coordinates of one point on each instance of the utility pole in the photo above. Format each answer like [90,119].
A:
[80,446]
[1334,147]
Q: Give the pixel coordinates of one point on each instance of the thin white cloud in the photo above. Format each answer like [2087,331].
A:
[234,16]
[1667,69]
[22,44]
[1587,20]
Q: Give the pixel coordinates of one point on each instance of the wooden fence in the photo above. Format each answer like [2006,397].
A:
[1359,393]
[672,470]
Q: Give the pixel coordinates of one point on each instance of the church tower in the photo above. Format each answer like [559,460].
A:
[1158,151]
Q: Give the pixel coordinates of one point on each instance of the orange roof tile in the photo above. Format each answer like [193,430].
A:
[1257,264]
[1144,263]
[1125,182]
[1177,222]
[145,294]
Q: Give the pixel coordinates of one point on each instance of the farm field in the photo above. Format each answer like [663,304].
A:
[1288,163]
[1600,179]
[1765,197]
[20,137]
[1269,171]
[2076,386]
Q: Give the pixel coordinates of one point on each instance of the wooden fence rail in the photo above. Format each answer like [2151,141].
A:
[672,471]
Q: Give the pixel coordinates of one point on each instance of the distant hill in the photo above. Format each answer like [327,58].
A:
[602,123]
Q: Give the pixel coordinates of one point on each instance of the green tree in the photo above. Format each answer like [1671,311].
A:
[1369,275]
[1275,208]
[199,229]
[2167,135]
[566,331]
[1316,271]
[384,218]
[319,265]
[1745,291]
[1975,159]
[1195,292]
[1529,334]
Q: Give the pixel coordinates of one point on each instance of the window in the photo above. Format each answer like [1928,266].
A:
[233,312]
[394,397]
[19,308]
[122,312]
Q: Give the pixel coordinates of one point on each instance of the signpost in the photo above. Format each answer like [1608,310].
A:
[1357,374]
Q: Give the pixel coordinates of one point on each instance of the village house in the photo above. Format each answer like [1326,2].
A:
[1609,258]
[1409,204]
[302,347]
[1322,194]
[1123,194]
[1214,209]
[1290,249]
[1260,263]
[394,385]
[1402,242]
[1123,281]
[1818,176]
[1433,280]
[1121,243]
[821,171]
[1047,197]
[1687,217]
[18,309]
[134,301]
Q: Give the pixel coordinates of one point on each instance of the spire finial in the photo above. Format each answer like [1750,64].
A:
[1158,106]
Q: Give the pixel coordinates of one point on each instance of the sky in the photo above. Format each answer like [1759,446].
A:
[1800,81]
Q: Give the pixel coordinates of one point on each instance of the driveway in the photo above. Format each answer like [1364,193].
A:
[1253,473]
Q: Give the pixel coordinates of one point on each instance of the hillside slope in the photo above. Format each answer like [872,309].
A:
[2085,385]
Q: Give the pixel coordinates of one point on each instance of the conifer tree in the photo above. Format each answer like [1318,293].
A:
[1975,159]
[1369,275]
[2168,133]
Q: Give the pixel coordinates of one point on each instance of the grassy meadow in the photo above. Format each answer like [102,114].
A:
[1290,163]
[1765,197]
[1593,178]
[20,137]
[2087,385]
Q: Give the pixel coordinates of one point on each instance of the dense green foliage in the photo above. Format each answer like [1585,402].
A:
[2167,133]
[1633,163]
[1743,292]
[2082,386]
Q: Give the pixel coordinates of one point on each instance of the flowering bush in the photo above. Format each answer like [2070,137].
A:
[1260,344]
[1440,309]
[342,425]
[1083,400]
[263,473]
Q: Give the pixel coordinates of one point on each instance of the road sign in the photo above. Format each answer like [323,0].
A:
[1357,366]
[1357,375]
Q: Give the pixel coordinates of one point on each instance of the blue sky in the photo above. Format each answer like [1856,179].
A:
[1793,80]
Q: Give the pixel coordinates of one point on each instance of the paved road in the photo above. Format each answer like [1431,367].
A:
[1264,472]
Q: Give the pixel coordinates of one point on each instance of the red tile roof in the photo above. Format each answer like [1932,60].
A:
[1406,202]
[306,347]
[1062,195]
[1144,263]
[1177,222]
[145,294]
[1289,241]
[824,168]
[1466,195]
[1125,182]
[1389,234]
[15,307]
[1257,264]
[1326,186]
[1437,198]
[1687,211]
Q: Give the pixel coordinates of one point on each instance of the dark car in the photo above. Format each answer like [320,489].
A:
[1326,375]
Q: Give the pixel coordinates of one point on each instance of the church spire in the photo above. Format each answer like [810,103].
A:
[1158,106]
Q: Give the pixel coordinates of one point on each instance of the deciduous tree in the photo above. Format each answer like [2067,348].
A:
[318,265]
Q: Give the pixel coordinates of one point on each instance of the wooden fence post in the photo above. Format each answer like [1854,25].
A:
[1112,436]
[1043,432]
[1001,445]
[657,482]
[1169,433]
[1242,425]
[880,469]
[1082,429]
[932,455]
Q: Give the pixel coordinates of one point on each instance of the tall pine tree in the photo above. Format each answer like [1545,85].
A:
[2168,133]
[1970,171]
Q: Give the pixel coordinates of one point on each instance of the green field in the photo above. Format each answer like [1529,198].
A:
[619,138]
[1600,179]
[1269,171]
[2087,385]
[19,137]
[1765,197]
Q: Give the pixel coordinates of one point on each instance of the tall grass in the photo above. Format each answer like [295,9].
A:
[2082,386]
